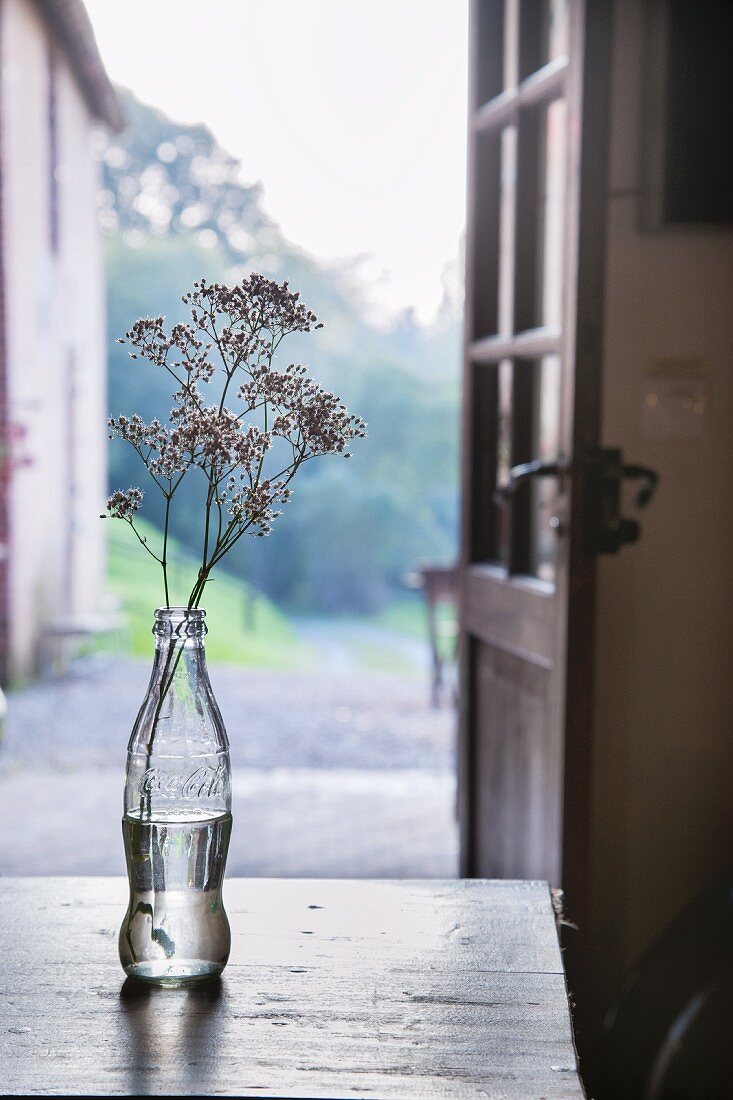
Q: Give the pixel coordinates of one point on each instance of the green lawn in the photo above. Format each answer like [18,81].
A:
[244,627]
[408,615]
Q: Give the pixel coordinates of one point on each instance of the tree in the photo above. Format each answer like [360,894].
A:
[174,210]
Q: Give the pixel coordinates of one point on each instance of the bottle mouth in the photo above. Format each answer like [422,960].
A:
[181,622]
[180,612]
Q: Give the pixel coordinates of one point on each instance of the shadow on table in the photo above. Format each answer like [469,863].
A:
[172,1027]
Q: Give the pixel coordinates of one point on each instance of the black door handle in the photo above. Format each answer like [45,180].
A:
[603,470]
[519,474]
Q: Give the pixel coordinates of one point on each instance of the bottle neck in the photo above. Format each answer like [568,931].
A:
[179,633]
[180,625]
[178,763]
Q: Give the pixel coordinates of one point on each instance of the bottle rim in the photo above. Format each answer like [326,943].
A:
[180,622]
[176,611]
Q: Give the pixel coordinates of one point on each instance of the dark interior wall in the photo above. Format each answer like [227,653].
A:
[698,113]
[663,743]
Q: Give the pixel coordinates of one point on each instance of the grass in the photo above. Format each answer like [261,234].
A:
[244,627]
[408,615]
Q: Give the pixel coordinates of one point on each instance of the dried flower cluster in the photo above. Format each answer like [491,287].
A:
[246,424]
[124,503]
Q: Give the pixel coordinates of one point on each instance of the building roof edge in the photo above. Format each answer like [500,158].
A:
[71,24]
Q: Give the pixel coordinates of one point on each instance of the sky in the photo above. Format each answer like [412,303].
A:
[352,115]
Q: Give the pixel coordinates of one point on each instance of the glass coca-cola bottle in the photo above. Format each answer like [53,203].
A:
[177,815]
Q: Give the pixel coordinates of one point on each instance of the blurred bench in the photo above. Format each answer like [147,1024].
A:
[439,584]
[63,633]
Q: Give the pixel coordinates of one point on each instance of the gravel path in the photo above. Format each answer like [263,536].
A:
[291,822]
[347,773]
[359,720]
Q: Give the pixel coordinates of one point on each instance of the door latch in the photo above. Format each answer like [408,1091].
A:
[605,471]
[519,474]
[605,529]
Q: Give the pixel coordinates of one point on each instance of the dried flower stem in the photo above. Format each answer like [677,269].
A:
[243,327]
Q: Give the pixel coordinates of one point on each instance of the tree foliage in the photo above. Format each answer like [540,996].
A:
[174,210]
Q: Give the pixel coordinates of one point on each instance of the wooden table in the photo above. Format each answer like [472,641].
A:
[334,989]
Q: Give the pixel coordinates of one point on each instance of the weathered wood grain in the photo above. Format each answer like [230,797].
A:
[334,989]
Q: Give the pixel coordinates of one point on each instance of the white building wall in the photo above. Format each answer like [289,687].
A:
[54,341]
[83,333]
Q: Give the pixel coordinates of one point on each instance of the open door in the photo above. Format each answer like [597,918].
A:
[534,293]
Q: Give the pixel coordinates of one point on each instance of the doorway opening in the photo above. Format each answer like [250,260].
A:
[332,643]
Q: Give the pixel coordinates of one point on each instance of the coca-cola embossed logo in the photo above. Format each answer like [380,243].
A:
[204,782]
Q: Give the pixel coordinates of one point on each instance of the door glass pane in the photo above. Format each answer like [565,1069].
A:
[486,220]
[551,248]
[527,429]
[543,34]
[545,446]
[555,29]
[541,173]
[506,228]
[504,458]
[489,50]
